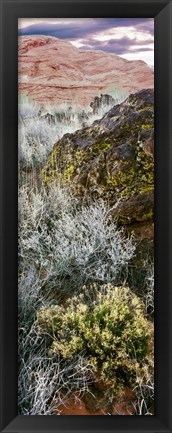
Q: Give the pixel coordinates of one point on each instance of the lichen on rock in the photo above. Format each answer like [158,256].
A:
[112,159]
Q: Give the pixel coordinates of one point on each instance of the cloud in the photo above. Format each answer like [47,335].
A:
[147,26]
[78,27]
[67,28]
[119,46]
[113,35]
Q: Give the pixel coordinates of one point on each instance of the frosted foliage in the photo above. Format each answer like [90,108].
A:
[44,383]
[63,242]
[149,297]
[118,94]
[36,138]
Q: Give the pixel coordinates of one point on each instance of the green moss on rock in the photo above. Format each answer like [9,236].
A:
[112,159]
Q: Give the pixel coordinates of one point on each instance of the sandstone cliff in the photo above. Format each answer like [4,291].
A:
[54,70]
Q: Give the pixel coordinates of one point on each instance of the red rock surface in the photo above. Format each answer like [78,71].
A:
[54,70]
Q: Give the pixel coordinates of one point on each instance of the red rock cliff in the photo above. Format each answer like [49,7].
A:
[54,70]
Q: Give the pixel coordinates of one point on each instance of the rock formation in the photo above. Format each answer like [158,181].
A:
[112,159]
[54,70]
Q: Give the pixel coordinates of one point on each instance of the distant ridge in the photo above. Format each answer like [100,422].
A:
[53,70]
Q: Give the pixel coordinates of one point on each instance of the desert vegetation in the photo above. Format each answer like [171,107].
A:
[86,282]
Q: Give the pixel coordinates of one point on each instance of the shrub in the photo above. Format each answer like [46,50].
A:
[110,330]
[36,139]
[44,385]
[149,296]
[70,245]
[144,392]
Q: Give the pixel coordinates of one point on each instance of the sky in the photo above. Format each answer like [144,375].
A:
[130,38]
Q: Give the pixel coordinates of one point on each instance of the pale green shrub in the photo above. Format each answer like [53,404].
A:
[111,332]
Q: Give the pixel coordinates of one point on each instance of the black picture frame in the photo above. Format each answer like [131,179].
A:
[161,11]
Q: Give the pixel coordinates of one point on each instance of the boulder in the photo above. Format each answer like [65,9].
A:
[112,159]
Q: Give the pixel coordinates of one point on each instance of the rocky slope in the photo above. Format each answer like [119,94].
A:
[54,70]
[112,159]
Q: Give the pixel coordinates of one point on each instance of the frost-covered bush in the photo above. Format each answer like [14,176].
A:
[111,331]
[69,245]
[36,139]
[149,296]
[43,383]
[144,391]
[119,95]
[27,107]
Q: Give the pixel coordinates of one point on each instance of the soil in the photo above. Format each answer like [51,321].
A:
[74,405]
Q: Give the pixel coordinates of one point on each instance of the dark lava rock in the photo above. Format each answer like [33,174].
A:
[112,159]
